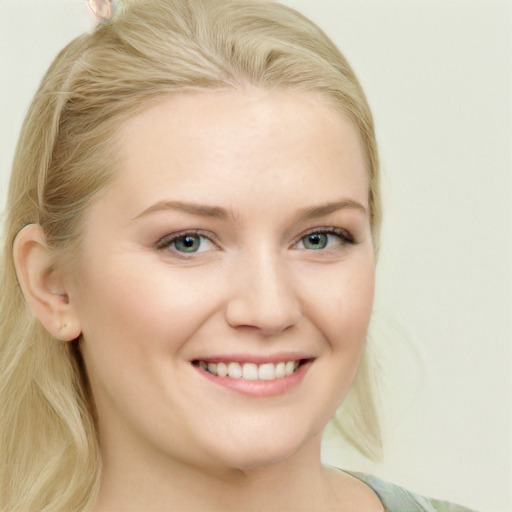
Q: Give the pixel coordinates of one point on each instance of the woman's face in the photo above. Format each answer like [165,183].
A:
[235,239]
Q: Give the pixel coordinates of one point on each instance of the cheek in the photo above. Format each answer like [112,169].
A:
[136,322]
[342,306]
[140,307]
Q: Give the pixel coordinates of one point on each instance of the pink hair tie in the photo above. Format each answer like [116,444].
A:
[101,9]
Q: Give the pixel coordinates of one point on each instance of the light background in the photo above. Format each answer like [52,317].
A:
[437,74]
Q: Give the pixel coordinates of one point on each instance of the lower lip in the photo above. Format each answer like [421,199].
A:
[259,388]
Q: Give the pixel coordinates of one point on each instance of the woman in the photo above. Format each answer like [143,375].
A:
[192,228]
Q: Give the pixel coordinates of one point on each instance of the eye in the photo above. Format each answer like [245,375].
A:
[315,241]
[324,239]
[186,243]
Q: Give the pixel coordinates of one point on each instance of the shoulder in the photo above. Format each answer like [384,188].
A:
[397,499]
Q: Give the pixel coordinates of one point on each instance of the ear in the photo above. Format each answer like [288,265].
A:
[43,284]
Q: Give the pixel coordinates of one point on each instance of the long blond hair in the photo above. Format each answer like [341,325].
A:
[65,156]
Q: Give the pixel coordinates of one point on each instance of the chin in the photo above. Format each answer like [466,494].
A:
[254,452]
[251,462]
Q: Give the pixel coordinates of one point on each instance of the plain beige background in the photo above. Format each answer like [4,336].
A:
[438,77]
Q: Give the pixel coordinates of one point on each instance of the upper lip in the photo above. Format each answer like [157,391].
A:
[255,358]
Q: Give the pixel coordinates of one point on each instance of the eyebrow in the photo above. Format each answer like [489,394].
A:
[192,208]
[217,212]
[315,212]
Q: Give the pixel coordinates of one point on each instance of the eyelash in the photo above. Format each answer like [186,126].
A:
[345,237]
[168,240]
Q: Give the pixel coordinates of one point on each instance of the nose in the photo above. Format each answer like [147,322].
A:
[263,296]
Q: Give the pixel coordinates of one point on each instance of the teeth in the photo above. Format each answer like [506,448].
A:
[267,371]
[290,367]
[222,370]
[251,371]
[280,370]
[234,370]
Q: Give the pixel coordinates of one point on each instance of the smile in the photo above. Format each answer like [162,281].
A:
[251,371]
[255,378]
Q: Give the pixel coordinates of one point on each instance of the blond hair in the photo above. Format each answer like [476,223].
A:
[66,155]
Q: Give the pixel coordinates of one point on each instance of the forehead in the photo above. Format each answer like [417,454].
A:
[190,144]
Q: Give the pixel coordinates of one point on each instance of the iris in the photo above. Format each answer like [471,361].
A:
[316,241]
[187,243]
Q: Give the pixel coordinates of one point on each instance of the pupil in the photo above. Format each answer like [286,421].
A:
[189,241]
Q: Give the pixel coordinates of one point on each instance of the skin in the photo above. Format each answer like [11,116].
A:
[255,287]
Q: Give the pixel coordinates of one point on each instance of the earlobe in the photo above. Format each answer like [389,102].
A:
[43,284]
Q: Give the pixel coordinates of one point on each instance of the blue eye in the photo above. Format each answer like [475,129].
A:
[315,241]
[186,243]
[327,239]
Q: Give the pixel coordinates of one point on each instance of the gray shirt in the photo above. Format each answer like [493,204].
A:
[397,499]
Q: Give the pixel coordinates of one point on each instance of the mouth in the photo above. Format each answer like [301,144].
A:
[263,379]
[251,371]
